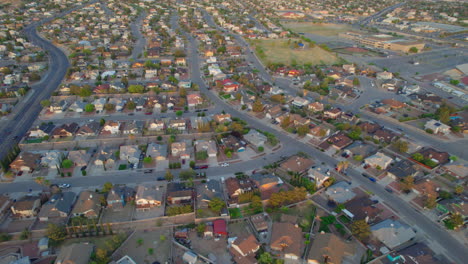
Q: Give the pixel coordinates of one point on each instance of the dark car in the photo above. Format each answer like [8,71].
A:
[160,179]
[84,168]
[389,190]
[372,179]
[130,114]
[148,113]
[20,173]
[148,171]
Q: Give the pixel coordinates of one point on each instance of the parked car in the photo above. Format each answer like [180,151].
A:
[64,185]
[225,164]
[148,171]
[160,179]
[148,113]
[84,168]
[388,189]
[20,173]
[372,179]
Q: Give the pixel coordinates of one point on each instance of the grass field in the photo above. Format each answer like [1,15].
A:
[318,29]
[279,51]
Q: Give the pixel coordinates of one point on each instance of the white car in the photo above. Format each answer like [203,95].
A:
[64,185]
[224,164]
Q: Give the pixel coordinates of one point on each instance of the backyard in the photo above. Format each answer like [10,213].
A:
[281,51]
[317,28]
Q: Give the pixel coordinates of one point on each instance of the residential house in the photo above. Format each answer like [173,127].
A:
[77,106]
[416,254]
[119,103]
[77,253]
[339,141]
[274,112]
[208,191]
[458,169]
[332,113]
[26,161]
[331,249]
[99,104]
[297,164]
[148,197]
[130,153]
[105,158]
[393,104]
[437,127]
[233,143]
[259,222]
[194,100]
[363,208]
[178,148]
[368,127]
[384,75]
[111,128]
[155,125]
[88,205]
[79,157]
[243,249]
[220,227]
[393,234]
[439,157]
[189,257]
[58,107]
[318,176]
[300,102]
[222,118]
[156,151]
[58,206]
[385,135]
[359,148]
[41,131]
[26,207]
[177,193]
[90,129]
[266,182]
[207,145]
[132,128]
[286,238]
[340,192]
[379,161]
[315,107]
[236,187]
[118,197]
[65,130]
[52,159]
[402,169]
[230,86]
[318,132]
[255,138]
[177,124]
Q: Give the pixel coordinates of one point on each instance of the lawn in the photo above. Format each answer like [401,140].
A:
[305,213]
[283,51]
[235,213]
[317,28]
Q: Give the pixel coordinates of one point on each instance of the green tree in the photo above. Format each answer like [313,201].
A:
[407,183]
[187,174]
[401,146]
[66,164]
[413,50]
[25,234]
[89,108]
[136,88]
[302,130]
[201,228]
[101,255]
[265,258]
[459,189]
[356,81]
[456,220]
[216,205]
[418,157]
[257,106]
[430,201]
[360,229]
[179,113]
[131,105]
[45,103]
[56,233]
[168,176]
[107,187]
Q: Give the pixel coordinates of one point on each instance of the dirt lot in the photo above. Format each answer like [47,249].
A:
[315,28]
[239,229]
[279,51]
[111,216]
[151,213]
[148,246]
[11,225]
[207,247]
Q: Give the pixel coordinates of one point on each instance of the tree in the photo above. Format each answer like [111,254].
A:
[401,146]
[459,189]
[101,255]
[216,205]
[256,204]
[355,134]
[265,258]
[182,92]
[131,105]
[25,234]
[456,220]
[260,148]
[285,122]
[257,106]
[430,201]
[201,228]
[356,81]
[107,187]
[302,130]
[187,174]
[342,165]
[136,88]
[125,81]
[454,82]
[89,108]
[413,50]
[418,157]
[66,164]
[407,183]
[360,229]
[55,232]
[179,53]
[109,107]
[179,113]
[45,103]
[168,176]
